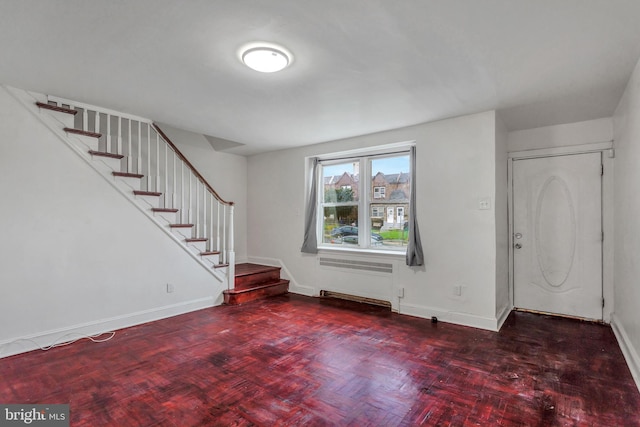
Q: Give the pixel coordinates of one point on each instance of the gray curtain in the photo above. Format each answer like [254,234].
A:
[310,244]
[415,256]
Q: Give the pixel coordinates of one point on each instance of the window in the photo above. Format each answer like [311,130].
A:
[363,200]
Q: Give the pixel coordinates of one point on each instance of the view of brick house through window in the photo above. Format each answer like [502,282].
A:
[354,205]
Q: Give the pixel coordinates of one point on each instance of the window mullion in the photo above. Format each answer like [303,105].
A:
[364,185]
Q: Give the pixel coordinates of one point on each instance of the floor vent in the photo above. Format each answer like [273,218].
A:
[380,267]
[355,298]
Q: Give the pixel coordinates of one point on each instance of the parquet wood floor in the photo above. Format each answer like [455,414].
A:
[298,361]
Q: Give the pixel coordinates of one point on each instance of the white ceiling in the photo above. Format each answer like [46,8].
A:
[360,66]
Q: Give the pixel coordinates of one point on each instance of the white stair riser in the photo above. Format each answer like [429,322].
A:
[166,217]
[197,247]
[211,259]
[88,142]
[111,163]
[65,119]
[148,201]
[186,233]
[128,183]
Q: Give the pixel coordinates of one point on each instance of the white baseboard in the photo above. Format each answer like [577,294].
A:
[40,340]
[464,319]
[294,286]
[628,350]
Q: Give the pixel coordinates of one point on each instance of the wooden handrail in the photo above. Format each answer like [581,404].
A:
[188,163]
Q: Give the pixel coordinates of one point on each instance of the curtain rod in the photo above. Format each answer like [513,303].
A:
[366,155]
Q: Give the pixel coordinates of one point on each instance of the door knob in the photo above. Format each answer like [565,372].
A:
[517,245]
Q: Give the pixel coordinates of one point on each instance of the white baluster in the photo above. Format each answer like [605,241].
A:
[85,119]
[204,210]
[173,193]
[197,224]
[218,228]
[129,150]
[190,217]
[108,147]
[166,174]
[149,176]
[139,162]
[157,162]
[210,236]
[119,135]
[96,123]
[182,189]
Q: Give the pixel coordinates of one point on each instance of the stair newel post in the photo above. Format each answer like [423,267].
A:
[231,257]
[218,230]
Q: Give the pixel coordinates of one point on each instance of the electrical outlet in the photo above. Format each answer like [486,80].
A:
[400,292]
[169,288]
[457,290]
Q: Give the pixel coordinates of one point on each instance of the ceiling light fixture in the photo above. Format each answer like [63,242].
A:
[266,59]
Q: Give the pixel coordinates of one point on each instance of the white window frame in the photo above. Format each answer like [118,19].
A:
[365,196]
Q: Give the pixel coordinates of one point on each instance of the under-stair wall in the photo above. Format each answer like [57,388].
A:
[76,256]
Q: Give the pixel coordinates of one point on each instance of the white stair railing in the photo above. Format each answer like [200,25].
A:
[149,152]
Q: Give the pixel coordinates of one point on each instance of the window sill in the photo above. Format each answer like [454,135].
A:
[363,252]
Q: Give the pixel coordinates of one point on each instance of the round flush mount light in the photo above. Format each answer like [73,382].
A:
[266,58]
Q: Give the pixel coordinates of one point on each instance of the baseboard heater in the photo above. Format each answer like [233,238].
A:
[379,267]
[355,298]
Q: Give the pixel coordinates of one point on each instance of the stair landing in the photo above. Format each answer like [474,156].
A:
[255,281]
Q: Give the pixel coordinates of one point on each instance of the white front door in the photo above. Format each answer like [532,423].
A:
[557,234]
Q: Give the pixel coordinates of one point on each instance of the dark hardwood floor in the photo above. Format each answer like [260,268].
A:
[292,360]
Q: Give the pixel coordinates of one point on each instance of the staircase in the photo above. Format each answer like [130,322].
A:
[140,161]
[254,281]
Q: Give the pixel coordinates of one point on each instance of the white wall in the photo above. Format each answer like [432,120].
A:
[503,301]
[566,135]
[626,320]
[75,254]
[226,173]
[455,169]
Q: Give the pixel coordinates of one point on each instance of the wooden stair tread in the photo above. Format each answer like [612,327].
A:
[146,193]
[209,253]
[196,239]
[83,132]
[103,154]
[221,265]
[56,108]
[164,210]
[248,269]
[128,174]
[180,225]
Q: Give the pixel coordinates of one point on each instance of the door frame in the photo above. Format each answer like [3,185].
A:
[608,155]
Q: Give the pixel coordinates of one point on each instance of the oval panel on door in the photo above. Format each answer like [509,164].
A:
[555,231]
